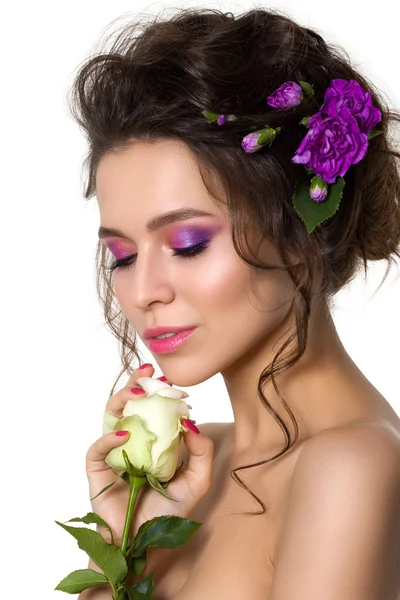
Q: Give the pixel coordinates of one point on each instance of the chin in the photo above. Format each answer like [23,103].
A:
[186,376]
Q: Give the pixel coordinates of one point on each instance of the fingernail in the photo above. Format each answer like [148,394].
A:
[163,378]
[145,365]
[137,391]
[190,425]
[121,432]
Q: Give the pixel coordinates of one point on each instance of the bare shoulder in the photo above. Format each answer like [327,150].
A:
[362,451]
[363,442]
[341,532]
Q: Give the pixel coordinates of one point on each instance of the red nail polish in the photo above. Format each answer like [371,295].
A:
[190,425]
[137,391]
[163,378]
[145,365]
[121,432]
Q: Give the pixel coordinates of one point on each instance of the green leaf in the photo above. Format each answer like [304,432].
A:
[163,532]
[134,595]
[155,484]
[137,564]
[304,121]
[210,116]
[307,88]
[93,518]
[146,586]
[80,580]
[120,474]
[311,212]
[373,133]
[106,556]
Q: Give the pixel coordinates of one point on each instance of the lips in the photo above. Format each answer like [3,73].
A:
[153,332]
[170,344]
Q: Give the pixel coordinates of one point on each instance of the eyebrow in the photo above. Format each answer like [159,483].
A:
[180,214]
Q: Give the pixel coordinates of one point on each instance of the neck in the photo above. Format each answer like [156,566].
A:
[311,387]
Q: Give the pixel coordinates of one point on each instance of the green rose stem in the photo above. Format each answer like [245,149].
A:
[135,483]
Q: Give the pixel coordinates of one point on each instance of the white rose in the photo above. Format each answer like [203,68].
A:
[155,429]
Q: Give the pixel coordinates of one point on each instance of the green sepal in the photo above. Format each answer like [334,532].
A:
[267,135]
[307,88]
[130,469]
[91,517]
[304,121]
[120,474]
[373,133]
[211,117]
[163,532]
[313,213]
[155,484]
[80,580]
[108,557]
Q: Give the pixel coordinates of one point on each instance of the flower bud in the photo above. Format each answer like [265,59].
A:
[288,95]
[257,139]
[318,189]
[155,430]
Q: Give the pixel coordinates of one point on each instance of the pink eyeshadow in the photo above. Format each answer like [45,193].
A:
[118,249]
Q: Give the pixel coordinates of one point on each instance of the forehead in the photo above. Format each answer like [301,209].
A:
[151,178]
[149,169]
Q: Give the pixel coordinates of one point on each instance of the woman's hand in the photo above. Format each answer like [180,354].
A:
[188,486]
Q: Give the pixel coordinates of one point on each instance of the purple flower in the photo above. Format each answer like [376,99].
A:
[289,94]
[222,119]
[249,142]
[331,146]
[318,189]
[346,98]
[257,139]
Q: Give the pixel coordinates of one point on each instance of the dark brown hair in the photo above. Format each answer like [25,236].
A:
[153,83]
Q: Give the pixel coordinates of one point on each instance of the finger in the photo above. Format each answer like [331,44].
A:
[164,379]
[200,464]
[116,404]
[147,371]
[97,453]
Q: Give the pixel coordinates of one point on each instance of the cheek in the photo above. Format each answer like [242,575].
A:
[215,281]
[122,291]
[243,306]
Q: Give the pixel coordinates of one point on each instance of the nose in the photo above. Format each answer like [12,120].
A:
[151,280]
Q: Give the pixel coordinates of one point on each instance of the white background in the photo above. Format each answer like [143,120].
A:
[58,359]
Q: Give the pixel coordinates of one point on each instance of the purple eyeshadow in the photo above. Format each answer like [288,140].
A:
[186,237]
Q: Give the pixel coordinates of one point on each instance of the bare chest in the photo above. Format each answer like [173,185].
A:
[232,551]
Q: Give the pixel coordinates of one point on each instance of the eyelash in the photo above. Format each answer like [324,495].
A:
[191,252]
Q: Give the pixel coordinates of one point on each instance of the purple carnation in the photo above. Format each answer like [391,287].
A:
[289,94]
[250,143]
[331,146]
[346,98]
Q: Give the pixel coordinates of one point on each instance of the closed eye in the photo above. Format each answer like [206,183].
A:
[191,252]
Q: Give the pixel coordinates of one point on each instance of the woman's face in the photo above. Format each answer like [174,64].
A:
[211,289]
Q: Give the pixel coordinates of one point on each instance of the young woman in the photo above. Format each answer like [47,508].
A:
[243,241]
